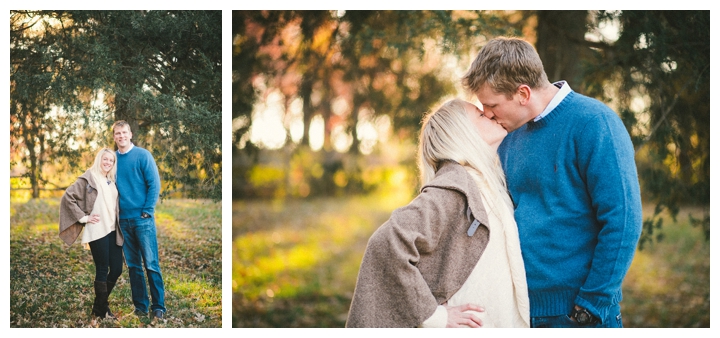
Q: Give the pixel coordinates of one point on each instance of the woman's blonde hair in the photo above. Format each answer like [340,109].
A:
[448,134]
[96,167]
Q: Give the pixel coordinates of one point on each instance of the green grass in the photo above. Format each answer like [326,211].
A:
[295,264]
[51,284]
[668,284]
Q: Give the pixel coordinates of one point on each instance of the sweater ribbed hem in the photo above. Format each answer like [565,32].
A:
[557,303]
[551,303]
[135,213]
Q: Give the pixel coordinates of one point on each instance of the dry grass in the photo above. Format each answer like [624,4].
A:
[668,284]
[295,265]
[51,285]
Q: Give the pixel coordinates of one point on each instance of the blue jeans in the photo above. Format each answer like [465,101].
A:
[141,247]
[107,257]
[613,320]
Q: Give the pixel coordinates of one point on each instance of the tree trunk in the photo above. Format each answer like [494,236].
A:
[305,93]
[124,110]
[34,177]
[352,128]
[33,137]
[559,43]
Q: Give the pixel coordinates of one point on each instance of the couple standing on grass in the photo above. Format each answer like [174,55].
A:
[114,203]
[549,247]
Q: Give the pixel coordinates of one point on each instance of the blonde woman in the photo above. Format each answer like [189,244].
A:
[450,258]
[90,206]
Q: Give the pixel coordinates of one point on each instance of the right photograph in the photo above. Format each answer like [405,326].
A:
[470,169]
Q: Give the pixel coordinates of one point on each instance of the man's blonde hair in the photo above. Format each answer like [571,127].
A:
[504,64]
[121,123]
[448,134]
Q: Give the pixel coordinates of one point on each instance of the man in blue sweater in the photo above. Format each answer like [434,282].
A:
[570,169]
[138,184]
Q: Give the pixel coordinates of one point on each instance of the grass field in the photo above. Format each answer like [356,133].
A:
[668,284]
[51,285]
[295,264]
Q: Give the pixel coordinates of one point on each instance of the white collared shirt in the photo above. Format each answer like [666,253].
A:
[129,148]
[559,96]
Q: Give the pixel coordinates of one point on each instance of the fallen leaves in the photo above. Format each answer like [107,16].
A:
[51,284]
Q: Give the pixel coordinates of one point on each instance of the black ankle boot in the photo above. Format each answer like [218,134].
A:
[99,308]
[110,286]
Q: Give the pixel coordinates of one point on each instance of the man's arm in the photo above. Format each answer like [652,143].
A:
[152,182]
[606,157]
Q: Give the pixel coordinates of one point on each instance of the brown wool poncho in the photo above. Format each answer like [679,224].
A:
[422,255]
[77,202]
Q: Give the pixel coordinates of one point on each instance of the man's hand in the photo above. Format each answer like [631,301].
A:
[457,317]
[581,316]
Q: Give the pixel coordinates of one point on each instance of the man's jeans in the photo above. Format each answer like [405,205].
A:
[613,320]
[141,246]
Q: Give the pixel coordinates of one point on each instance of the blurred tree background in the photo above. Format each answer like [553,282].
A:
[327,107]
[73,73]
[318,95]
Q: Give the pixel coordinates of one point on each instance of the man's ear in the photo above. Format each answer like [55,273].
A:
[523,94]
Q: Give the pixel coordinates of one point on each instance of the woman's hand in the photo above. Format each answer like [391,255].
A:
[457,317]
[95,218]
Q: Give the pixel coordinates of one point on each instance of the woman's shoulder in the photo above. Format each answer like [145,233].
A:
[87,176]
[80,185]
[451,175]
[84,180]
[449,187]
[454,177]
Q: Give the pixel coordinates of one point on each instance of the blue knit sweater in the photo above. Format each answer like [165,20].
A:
[138,183]
[573,180]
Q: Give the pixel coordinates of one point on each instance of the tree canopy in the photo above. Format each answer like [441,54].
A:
[73,73]
[347,68]
[657,74]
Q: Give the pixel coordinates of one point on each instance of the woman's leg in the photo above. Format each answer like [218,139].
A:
[101,257]
[115,259]
[115,264]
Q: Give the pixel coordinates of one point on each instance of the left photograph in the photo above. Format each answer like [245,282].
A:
[115,169]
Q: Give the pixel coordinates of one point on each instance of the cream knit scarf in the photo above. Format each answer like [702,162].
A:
[498,282]
[104,206]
